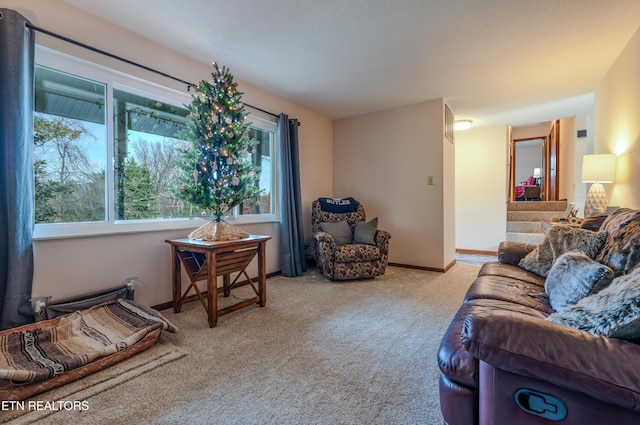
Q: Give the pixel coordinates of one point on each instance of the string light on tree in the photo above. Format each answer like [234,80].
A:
[218,173]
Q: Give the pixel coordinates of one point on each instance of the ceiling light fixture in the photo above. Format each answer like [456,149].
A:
[462,125]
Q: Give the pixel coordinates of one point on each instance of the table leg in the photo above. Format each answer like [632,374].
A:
[176,280]
[212,289]
[226,284]
[262,274]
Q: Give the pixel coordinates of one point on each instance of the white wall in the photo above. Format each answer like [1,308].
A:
[528,157]
[617,124]
[583,146]
[532,131]
[384,159]
[481,188]
[68,267]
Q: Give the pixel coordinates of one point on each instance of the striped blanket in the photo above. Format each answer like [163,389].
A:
[74,340]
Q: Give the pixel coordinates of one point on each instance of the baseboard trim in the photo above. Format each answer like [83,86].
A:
[163,306]
[475,251]
[169,304]
[451,264]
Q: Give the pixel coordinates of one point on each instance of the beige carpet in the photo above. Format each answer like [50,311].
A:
[361,352]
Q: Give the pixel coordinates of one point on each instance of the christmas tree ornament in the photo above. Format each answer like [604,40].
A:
[217,174]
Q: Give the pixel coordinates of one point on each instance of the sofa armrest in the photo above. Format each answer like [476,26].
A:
[602,368]
[325,248]
[511,252]
[324,237]
[382,240]
[594,222]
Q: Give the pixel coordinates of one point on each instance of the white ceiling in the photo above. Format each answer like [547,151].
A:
[497,62]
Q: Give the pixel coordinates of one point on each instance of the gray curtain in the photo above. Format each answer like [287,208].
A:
[292,261]
[16,169]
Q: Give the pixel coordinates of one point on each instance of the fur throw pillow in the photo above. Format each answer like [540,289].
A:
[574,276]
[558,240]
[613,312]
[622,250]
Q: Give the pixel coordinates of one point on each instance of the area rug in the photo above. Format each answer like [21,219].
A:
[76,395]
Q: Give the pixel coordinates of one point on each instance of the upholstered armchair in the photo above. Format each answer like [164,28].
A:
[346,246]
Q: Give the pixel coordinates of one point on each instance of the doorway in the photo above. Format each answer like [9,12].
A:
[533,166]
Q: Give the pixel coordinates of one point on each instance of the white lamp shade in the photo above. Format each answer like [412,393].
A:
[599,168]
[536,172]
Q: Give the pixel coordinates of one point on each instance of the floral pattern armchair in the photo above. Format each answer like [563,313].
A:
[348,261]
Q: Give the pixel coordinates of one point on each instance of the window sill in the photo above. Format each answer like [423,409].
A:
[93,229]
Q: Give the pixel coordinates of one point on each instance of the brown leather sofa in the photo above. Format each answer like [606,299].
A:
[503,364]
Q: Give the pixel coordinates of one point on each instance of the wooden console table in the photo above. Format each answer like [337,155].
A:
[206,261]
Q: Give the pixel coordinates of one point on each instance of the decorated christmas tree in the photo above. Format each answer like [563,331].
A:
[218,171]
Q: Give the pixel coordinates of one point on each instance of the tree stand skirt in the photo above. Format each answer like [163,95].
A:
[217,231]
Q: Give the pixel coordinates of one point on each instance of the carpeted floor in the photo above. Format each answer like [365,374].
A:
[361,352]
[475,259]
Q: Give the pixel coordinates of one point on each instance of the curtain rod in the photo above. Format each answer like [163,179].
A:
[130,62]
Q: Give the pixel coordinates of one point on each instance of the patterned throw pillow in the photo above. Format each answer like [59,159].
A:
[573,276]
[340,230]
[613,312]
[366,232]
[558,240]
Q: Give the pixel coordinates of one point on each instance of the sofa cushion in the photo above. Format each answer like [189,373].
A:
[340,230]
[557,241]
[574,276]
[510,290]
[365,232]
[358,270]
[622,251]
[613,312]
[512,272]
[356,252]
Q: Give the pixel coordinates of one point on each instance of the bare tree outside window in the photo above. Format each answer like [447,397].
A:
[74,167]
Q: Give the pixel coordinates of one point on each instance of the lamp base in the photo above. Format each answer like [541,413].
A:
[596,201]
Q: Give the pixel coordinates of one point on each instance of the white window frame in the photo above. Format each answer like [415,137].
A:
[115,79]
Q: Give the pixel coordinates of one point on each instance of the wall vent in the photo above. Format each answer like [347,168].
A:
[582,133]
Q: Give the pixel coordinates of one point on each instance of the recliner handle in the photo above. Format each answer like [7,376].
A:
[540,404]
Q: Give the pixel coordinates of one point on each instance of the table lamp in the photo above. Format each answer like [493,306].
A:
[597,169]
[537,175]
